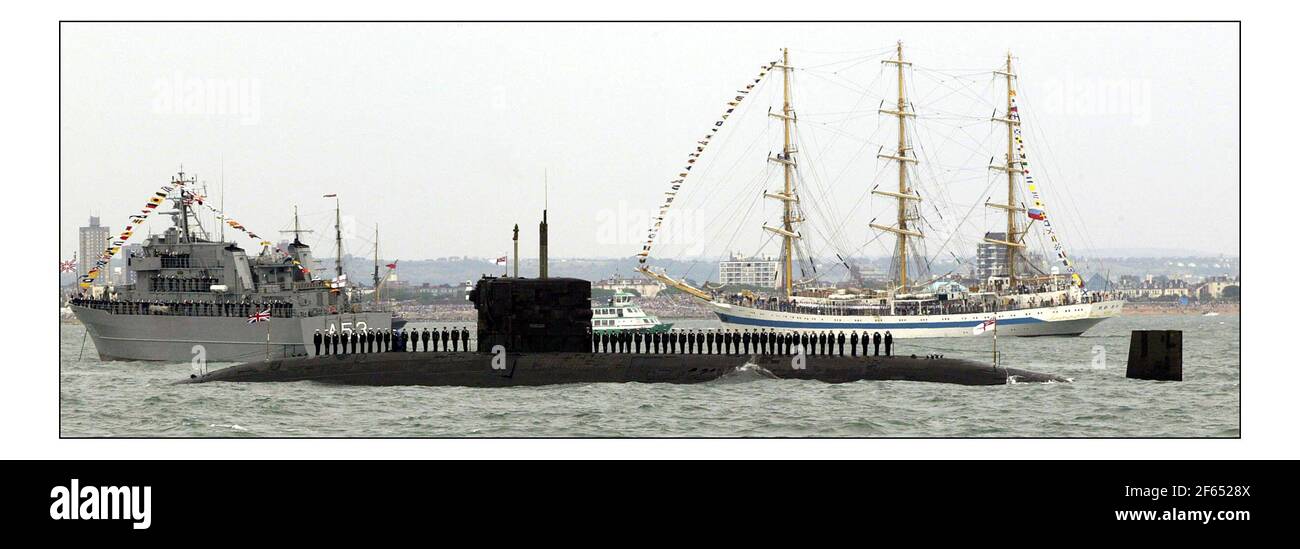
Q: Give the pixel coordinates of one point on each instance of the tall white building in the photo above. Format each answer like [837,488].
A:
[751,271]
[93,240]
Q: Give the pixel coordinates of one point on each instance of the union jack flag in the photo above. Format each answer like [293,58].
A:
[988,324]
[260,317]
[68,266]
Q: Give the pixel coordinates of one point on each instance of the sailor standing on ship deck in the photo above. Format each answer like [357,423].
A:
[889,343]
[875,341]
[316,339]
[464,337]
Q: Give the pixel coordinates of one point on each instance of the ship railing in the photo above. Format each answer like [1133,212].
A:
[188,263]
[185,308]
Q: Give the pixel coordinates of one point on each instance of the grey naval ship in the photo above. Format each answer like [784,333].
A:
[195,298]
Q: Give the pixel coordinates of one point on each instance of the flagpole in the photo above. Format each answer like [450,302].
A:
[995,337]
[268,338]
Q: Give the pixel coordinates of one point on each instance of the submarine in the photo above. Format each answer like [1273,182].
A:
[537,331]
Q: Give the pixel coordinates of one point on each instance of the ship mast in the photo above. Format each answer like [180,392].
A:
[184,209]
[787,196]
[1012,167]
[904,193]
[297,230]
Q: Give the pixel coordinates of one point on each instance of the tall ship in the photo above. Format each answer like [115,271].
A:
[1026,294]
[195,297]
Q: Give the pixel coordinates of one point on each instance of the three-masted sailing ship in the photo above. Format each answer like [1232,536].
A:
[1023,302]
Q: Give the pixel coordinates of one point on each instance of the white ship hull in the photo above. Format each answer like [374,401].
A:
[1039,321]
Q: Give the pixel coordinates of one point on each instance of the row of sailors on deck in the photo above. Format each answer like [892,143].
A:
[390,341]
[729,342]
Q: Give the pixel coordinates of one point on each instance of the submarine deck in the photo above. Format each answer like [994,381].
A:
[471,369]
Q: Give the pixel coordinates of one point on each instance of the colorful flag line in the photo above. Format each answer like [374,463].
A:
[676,184]
[1038,211]
[116,242]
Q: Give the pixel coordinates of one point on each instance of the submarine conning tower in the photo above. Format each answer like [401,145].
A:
[529,315]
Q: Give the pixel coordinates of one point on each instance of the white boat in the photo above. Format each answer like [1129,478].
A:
[620,314]
[1027,299]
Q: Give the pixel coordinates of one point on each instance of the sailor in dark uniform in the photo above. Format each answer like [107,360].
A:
[636,342]
[388,339]
[424,339]
[455,339]
[821,340]
[840,339]
[672,341]
[875,343]
[654,340]
[444,337]
[889,343]
[708,342]
[690,342]
[802,340]
[315,340]
[464,338]
[853,343]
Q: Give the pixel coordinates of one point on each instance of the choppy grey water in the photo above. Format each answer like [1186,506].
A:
[139,399]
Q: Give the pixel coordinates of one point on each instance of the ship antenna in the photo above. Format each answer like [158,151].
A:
[221,223]
[904,193]
[376,264]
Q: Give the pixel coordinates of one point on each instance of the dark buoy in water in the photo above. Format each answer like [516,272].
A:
[1156,355]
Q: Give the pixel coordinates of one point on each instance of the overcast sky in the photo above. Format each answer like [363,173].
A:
[441,133]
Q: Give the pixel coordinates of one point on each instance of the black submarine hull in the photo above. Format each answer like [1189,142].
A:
[535,369]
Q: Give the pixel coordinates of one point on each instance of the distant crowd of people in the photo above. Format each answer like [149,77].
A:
[391,341]
[734,342]
[279,309]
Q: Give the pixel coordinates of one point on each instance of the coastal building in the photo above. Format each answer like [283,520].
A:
[991,259]
[92,240]
[749,271]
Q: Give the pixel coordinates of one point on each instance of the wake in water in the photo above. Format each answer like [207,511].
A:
[745,373]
